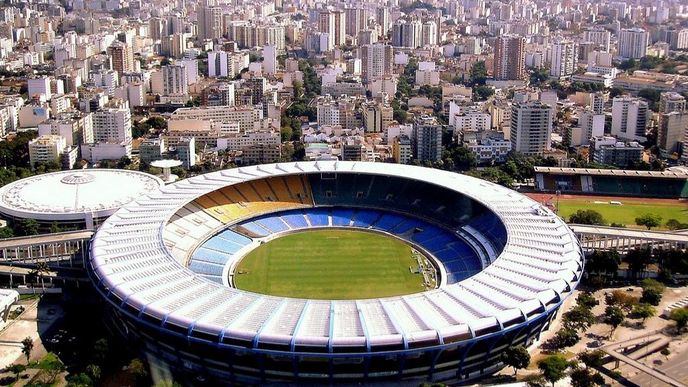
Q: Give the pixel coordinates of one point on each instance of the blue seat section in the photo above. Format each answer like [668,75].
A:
[213,278]
[342,216]
[295,220]
[406,226]
[205,268]
[219,244]
[388,221]
[489,225]
[273,223]
[234,237]
[207,255]
[364,218]
[318,217]
[254,228]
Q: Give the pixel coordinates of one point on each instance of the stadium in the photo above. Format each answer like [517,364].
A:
[493,267]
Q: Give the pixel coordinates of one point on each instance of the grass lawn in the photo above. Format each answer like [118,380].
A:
[627,212]
[330,264]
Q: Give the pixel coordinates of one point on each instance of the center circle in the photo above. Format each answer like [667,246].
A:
[334,264]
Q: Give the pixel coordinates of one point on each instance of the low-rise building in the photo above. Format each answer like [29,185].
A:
[609,151]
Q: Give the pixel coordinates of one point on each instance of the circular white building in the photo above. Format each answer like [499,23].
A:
[76,198]
[163,263]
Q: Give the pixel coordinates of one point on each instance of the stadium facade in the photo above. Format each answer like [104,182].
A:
[165,264]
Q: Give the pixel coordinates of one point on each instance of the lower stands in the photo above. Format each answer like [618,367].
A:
[211,257]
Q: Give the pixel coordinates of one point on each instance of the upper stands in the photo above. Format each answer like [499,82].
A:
[235,202]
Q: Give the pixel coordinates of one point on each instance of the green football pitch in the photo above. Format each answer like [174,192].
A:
[627,212]
[330,264]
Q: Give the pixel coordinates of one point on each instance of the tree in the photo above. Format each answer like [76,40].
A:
[482,92]
[553,368]
[516,357]
[584,377]
[52,367]
[652,291]
[592,358]
[27,227]
[17,369]
[55,228]
[614,316]
[79,380]
[27,347]
[638,259]
[101,349]
[643,311]
[578,318]
[680,316]
[137,368]
[587,217]
[587,300]
[673,224]
[6,232]
[648,220]
[621,299]
[94,371]
[565,337]
[478,74]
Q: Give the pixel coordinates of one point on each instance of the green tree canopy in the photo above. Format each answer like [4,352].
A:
[648,220]
[553,368]
[587,217]
[516,357]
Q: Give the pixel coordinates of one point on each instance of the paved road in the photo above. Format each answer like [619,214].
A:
[676,367]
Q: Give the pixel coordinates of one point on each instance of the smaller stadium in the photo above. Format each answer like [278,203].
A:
[74,199]
[328,272]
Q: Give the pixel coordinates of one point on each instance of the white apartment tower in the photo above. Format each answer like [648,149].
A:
[630,117]
[531,127]
[112,125]
[564,58]
[175,80]
[376,61]
[633,43]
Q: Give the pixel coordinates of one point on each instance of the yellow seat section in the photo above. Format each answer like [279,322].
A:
[243,200]
[279,187]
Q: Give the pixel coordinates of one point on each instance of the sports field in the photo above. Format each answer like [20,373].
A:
[625,213]
[330,264]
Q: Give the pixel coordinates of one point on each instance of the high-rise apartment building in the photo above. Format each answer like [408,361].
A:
[122,57]
[209,20]
[599,36]
[633,43]
[630,117]
[671,101]
[407,33]
[563,58]
[427,138]
[531,127]
[175,80]
[376,61]
[509,57]
[112,125]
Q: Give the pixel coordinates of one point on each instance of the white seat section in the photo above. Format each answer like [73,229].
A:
[315,323]
[285,322]
[375,319]
[346,323]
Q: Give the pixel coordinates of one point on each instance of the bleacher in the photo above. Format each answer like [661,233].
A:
[239,201]
[458,257]
[211,257]
[383,192]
